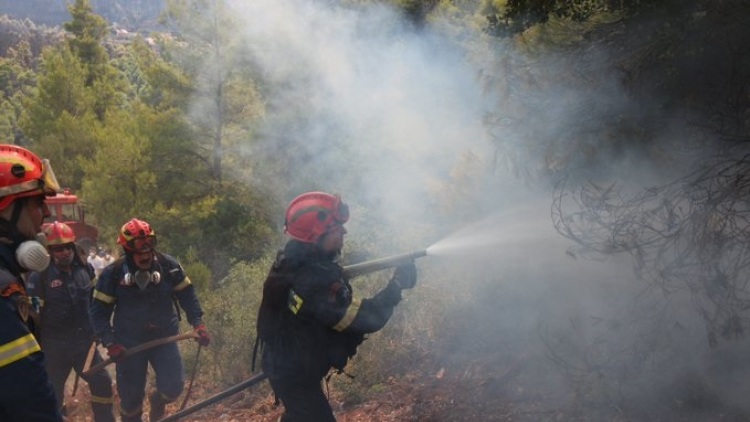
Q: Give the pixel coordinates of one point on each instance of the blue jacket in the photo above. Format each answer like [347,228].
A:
[142,314]
[64,298]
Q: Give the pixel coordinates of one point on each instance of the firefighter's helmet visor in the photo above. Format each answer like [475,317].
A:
[49,184]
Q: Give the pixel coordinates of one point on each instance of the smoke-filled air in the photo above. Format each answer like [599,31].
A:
[570,178]
[532,291]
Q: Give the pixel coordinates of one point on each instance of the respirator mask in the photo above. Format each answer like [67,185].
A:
[32,255]
[141,278]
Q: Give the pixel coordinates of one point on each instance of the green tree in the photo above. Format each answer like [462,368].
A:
[77,87]
[17,81]
[121,182]
[154,80]
[224,99]
[88,30]
[58,118]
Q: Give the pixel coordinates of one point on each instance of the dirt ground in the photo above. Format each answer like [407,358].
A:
[434,397]
[520,389]
[413,397]
[477,394]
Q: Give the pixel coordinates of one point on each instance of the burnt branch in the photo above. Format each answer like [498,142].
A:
[691,234]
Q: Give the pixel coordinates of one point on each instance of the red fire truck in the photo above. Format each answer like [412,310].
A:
[65,207]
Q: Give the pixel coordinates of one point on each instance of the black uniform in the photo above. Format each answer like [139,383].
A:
[66,332]
[309,323]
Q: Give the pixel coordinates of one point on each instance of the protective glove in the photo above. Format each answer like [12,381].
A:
[204,339]
[405,275]
[115,351]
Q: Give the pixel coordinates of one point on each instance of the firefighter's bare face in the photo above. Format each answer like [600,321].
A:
[30,221]
[143,260]
[333,240]
[62,255]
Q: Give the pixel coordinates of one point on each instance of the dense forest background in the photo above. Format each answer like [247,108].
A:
[134,14]
[577,171]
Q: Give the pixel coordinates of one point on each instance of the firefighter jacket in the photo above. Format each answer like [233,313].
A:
[309,321]
[142,312]
[64,299]
[16,339]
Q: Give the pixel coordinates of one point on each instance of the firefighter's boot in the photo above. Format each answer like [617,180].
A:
[158,404]
[131,418]
[103,412]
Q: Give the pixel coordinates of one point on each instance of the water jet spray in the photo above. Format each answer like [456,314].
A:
[470,240]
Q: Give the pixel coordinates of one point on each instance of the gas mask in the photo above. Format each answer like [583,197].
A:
[32,255]
[141,278]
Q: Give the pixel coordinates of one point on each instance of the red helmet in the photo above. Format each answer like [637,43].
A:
[137,235]
[313,214]
[59,233]
[22,174]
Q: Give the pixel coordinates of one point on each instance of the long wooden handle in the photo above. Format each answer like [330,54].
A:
[86,366]
[89,357]
[141,347]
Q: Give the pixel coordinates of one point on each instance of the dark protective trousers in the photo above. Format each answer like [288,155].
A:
[304,400]
[132,375]
[61,358]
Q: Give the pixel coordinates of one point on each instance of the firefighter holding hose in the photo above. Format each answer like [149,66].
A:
[309,323]
[139,289]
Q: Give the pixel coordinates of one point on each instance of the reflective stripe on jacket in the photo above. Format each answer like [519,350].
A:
[18,349]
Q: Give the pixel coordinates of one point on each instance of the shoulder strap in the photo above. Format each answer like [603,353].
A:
[167,267]
[43,283]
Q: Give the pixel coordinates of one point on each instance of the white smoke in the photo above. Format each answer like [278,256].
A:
[363,104]
[384,111]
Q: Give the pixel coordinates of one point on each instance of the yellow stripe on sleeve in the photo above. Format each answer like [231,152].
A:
[351,313]
[104,297]
[18,349]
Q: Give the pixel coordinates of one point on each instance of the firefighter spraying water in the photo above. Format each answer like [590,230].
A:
[310,322]
[466,241]
[350,271]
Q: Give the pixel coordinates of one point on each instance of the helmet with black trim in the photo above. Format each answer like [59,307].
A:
[313,214]
[137,236]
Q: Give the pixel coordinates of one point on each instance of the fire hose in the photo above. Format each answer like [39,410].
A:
[140,348]
[211,400]
[350,271]
[362,268]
